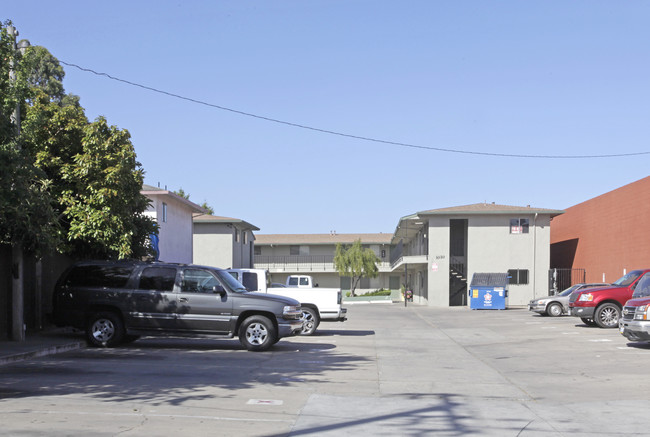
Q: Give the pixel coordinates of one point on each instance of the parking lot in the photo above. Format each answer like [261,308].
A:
[388,370]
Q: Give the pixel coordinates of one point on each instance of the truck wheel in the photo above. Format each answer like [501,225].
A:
[588,322]
[554,309]
[257,333]
[311,321]
[606,315]
[104,329]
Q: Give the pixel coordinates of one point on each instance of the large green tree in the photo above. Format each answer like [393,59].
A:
[87,172]
[27,218]
[356,262]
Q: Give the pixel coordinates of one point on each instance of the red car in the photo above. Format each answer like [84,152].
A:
[602,306]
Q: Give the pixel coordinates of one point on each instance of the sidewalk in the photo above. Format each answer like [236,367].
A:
[38,344]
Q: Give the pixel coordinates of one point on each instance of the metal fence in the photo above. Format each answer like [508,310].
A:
[561,279]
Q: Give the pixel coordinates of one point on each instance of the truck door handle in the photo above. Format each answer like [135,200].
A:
[183,299]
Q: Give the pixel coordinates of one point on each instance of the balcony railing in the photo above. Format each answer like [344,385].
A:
[301,263]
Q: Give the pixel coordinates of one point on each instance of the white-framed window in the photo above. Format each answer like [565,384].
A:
[236,235]
[164,212]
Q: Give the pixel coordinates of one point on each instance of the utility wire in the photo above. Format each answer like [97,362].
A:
[357,137]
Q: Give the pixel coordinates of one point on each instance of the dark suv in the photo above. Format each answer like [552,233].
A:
[118,301]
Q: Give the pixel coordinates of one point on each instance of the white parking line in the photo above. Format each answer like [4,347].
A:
[175,416]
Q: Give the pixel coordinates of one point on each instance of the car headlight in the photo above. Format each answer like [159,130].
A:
[586,297]
[292,312]
[541,301]
[641,312]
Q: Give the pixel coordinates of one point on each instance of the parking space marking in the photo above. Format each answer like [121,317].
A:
[173,416]
[600,340]
[264,402]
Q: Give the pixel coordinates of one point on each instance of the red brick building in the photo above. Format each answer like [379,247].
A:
[606,235]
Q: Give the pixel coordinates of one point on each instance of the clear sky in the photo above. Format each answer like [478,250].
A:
[551,78]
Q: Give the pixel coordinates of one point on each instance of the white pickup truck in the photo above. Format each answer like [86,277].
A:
[318,304]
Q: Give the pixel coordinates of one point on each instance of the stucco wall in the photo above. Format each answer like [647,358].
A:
[213,245]
[606,235]
[491,248]
[175,234]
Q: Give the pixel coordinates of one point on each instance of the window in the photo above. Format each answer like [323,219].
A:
[157,278]
[258,250]
[164,212]
[244,234]
[519,226]
[304,282]
[99,276]
[298,250]
[198,281]
[236,235]
[517,276]
[250,281]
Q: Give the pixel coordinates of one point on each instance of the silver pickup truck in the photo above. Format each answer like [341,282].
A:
[118,301]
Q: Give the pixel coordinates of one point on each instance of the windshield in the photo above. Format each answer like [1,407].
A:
[569,290]
[230,282]
[642,287]
[628,279]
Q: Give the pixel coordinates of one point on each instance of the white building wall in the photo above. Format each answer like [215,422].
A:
[175,234]
[438,265]
[213,245]
[491,248]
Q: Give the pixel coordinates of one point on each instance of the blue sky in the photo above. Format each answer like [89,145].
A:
[546,77]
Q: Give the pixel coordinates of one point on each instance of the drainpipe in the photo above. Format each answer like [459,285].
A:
[535,257]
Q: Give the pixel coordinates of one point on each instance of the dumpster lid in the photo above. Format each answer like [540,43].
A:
[489,280]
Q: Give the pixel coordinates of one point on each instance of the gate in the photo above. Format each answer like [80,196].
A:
[561,279]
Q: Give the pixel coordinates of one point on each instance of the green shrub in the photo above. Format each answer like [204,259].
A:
[380,292]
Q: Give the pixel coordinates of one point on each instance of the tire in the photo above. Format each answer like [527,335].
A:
[588,322]
[312,320]
[104,329]
[554,309]
[607,315]
[257,333]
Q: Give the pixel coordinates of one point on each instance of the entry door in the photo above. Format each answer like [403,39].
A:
[200,307]
[153,301]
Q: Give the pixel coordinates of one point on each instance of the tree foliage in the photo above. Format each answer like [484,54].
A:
[85,174]
[356,262]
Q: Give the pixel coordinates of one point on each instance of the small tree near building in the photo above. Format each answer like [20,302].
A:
[356,262]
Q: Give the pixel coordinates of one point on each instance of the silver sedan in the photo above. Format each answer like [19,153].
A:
[558,304]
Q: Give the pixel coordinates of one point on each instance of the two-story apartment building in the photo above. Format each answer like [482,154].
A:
[223,242]
[439,250]
[434,253]
[173,214]
[313,254]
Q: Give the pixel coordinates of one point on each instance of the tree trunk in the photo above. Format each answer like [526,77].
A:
[17,294]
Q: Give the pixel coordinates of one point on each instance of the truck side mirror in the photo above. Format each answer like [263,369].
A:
[218,289]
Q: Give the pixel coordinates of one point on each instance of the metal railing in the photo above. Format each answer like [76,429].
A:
[300,262]
[561,279]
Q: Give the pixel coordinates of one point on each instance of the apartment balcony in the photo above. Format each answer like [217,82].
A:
[303,263]
[398,264]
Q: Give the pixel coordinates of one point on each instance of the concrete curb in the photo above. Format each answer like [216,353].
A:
[48,350]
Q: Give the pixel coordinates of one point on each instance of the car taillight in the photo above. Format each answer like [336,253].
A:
[586,297]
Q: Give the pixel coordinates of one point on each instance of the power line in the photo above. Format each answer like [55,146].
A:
[357,137]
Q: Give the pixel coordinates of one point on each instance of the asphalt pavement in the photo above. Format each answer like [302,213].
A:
[389,370]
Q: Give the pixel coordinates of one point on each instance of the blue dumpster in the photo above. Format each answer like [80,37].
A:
[488,291]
